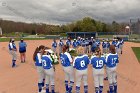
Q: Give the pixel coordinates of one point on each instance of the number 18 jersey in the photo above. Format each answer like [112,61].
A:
[98,62]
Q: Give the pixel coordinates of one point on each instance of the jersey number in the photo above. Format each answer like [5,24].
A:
[62,60]
[82,63]
[114,60]
[44,63]
[99,63]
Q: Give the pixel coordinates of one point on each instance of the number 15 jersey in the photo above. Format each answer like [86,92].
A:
[81,62]
[98,62]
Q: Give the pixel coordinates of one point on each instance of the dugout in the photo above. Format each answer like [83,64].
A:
[74,35]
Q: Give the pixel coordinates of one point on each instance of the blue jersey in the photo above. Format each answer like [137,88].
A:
[38,61]
[12,46]
[74,44]
[104,44]
[22,46]
[66,59]
[46,61]
[121,42]
[94,46]
[98,42]
[81,62]
[61,43]
[114,43]
[78,42]
[87,42]
[118,44]
[54,44]
[68,42]
[83,43]
[112,60]
[98,62]
[107,45]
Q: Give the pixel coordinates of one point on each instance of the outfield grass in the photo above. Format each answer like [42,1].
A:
[18,39]
[137,52]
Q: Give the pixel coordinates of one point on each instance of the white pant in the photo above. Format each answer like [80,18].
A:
[49,76]
[112,75]
[69,73]
[41,74]
[13,54]
[81,75]
[98,75]
[118,50]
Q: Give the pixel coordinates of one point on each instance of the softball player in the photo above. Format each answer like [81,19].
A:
[22,50]
[66,61]
[104,46]
[81,65]
[90,44]
[12,51]
[38,63]
[49,71]
[54,46]
[107,46]
[114,42]
[118,46]
[121,44]
[94,46]
[87,45]
[78,41]
[61,44]
[98,42]
[68,43]
[74,44]
[112,60]
[98,63]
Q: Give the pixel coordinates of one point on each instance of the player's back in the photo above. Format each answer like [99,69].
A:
[65,59]
[98,62]
[112,60]
[81,62]
[46,61]
[38,61]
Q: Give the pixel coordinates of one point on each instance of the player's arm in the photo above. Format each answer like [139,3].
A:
[11,45]
[70,58]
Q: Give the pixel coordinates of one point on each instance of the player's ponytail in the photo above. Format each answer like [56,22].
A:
[98,51]
[112,49]
[64,48]
[37,50]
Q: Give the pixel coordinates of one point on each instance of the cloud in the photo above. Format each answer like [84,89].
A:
[66,11]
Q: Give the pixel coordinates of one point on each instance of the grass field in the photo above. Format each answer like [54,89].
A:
[137,52]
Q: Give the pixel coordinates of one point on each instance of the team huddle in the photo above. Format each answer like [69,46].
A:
[88,52]
[100,61]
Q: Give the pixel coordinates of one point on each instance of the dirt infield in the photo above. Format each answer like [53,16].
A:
[23,79]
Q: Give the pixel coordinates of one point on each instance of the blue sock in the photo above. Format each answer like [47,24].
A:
[13,63]
[86,89]
[101,89]
[77,89]
[71,85]
[43,84]
[47,88]
[66,85]
[39,87]
[52,87]
[96,89]
[115,87]
[110,88]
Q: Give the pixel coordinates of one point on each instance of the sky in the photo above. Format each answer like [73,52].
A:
[67,11]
